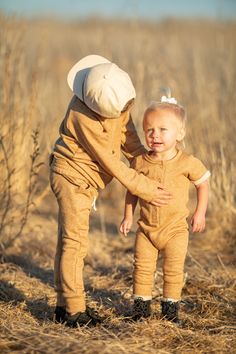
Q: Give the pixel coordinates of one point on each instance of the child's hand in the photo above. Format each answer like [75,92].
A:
[125,226]
[198,222]
[162,197]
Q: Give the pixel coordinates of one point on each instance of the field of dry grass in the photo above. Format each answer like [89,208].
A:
[197,60]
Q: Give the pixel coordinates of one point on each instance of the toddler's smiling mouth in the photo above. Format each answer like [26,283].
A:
[157,144]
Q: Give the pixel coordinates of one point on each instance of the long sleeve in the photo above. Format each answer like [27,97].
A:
[130,143]
[90,135]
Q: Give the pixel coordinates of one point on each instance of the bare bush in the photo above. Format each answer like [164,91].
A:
[19,143]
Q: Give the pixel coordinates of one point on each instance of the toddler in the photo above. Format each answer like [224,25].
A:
[164,229]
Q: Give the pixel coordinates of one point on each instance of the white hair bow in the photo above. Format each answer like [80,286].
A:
[168,100]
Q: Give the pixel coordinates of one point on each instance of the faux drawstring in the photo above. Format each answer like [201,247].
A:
[94,204]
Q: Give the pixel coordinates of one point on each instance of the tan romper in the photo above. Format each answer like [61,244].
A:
[165,229]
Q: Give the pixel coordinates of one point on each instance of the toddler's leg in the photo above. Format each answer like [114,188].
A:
[143,276]
[173,265]
[145,259]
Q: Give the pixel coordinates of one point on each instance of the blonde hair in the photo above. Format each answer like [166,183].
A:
[178,110]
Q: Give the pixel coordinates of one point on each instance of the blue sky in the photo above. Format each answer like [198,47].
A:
[153,9]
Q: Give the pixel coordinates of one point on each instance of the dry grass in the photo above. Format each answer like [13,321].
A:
[27,301]
[198,61]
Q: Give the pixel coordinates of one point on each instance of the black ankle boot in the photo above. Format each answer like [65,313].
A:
[60,315]
[141,309]
[169,310]
[88,318]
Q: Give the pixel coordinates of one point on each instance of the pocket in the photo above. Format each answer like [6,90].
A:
[50,159]
[81,184]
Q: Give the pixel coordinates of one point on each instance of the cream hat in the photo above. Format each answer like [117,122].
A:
[101,85]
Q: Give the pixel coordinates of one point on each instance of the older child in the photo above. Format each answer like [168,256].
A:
[96,128]
[164,229]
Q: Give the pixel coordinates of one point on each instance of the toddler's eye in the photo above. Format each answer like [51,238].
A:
[163,129]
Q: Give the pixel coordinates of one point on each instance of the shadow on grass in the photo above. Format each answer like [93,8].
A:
[9,293]
[110,299]
[39,308]
[31,269]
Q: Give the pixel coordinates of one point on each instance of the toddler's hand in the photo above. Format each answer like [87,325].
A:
[125,226]
[198,222]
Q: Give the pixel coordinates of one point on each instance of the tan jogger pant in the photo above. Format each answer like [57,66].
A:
[145,261]
[74,203]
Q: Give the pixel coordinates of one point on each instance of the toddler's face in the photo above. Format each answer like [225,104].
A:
[163,130]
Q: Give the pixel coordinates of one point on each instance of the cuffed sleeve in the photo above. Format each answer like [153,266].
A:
[203,178]
[199,172]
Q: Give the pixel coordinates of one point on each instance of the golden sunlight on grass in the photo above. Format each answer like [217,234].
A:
[197,60]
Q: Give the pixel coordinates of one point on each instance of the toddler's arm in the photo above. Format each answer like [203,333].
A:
[130,205]
[198,218]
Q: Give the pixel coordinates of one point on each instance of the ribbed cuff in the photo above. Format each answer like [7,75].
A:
[202,179]
[74,306]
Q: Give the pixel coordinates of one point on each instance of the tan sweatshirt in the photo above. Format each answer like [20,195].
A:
[89,149]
